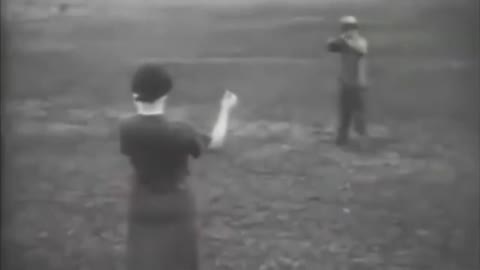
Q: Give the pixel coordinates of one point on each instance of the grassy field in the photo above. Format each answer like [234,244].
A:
[280,195]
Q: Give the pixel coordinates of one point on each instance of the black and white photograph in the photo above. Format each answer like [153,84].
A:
[240,135]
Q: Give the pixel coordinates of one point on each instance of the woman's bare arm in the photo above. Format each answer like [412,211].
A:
[220,128]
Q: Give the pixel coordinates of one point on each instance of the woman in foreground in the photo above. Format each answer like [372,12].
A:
[161,222]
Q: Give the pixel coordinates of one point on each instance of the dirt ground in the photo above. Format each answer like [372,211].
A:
[280,195]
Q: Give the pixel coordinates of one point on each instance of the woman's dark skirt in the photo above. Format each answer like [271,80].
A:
[161,230]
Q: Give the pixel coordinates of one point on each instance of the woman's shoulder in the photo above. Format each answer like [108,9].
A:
[135,123]
[127,121]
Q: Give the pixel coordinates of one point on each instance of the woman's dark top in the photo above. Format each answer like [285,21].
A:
[159,150]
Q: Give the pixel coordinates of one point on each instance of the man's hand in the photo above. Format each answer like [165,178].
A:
[331,40]
[335,45]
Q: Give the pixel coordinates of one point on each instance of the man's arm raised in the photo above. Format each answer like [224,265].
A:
[358,45]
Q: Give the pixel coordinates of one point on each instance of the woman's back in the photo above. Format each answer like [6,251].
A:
[161,222]
[158,149]
[161,233]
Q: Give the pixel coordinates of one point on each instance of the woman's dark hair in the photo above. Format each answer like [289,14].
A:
[150,82]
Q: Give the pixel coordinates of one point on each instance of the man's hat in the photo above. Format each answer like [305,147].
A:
[348,20]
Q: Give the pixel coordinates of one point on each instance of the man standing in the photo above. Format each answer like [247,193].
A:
[353,49]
